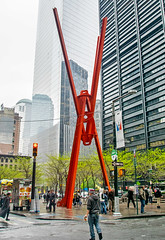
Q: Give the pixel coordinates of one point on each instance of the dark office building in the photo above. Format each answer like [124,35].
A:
[134,58]
[68,116]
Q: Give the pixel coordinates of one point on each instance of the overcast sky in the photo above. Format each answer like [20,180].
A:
[18,25]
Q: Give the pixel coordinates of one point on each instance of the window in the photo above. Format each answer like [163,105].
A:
[133,119]
[157,143]
[142,146]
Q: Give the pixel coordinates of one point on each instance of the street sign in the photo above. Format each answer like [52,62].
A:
[117,164]
[114,154]
[114,157]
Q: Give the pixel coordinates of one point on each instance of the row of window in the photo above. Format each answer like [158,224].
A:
[9,166]
[6,160]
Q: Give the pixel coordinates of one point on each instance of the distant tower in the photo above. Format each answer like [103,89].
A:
[23,108]
[42,114]
[80,25]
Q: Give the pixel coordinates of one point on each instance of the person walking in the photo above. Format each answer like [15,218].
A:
[150,194]
[2,199]
[147,194]
[52,201]
[158,195]
[130,197]
[5,210]
[103,197]
[93,209]
[111,197]
[142,196]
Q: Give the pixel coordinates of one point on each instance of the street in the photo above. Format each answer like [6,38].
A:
[31,228]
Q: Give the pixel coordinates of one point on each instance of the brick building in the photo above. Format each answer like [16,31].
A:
[9,131]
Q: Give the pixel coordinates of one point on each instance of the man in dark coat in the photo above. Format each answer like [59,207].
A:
[93,209]
[52,201]
[130,197]
[5,207]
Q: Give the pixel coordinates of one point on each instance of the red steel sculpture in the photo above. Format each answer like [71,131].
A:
[85,106]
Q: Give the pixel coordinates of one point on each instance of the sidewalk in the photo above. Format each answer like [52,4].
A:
[77,213]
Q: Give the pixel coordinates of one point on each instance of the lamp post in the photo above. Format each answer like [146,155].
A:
[33,200]
[130,92]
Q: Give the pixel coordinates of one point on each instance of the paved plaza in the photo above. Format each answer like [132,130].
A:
[68,224]
[78,212]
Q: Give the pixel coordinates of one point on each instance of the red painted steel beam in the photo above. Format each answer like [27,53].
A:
[103,168]
[69,191]
[82,102]
[66,59]
[96,73]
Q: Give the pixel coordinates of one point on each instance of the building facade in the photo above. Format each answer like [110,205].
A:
[12,161]
[9,131]
[80,25]
[68,116]
[23,108]
[134,58]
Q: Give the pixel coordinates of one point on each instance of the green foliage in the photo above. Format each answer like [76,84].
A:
[7,173]
[150,164]
[56,170]
[25,168]
[24,165]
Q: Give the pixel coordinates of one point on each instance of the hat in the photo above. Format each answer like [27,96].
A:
[91,191]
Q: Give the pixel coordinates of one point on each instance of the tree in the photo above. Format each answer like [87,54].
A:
[7,173]
[24,165]
[56,170]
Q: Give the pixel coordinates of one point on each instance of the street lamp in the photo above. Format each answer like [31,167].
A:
[130,92]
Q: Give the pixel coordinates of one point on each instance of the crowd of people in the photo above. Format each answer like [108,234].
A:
[145,196]
[50,199]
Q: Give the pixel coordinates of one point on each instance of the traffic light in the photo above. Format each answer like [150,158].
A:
[35,148]
[121,172]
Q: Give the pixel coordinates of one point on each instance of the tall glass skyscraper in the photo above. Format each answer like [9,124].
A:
[134,58]
[80,25]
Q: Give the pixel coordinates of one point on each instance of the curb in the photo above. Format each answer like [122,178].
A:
[77,219]
[59,219]
[19,214]
[143,216]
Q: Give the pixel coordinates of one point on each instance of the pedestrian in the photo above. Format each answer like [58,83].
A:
[78,198]
[106,199]
[130,197]
[150,194]
[2,199]
[93,209]
[158,195]
[5,210]
[48,197]
[74,199]
[103,197]
[52,201]
[147,195]
[142,196]
[111,197]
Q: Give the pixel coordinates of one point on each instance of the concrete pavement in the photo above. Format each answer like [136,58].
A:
[78,212]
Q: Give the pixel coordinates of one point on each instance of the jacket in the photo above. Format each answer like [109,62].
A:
[93,204]
[142,194]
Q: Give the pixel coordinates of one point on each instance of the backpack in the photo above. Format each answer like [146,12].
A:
[158,193]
